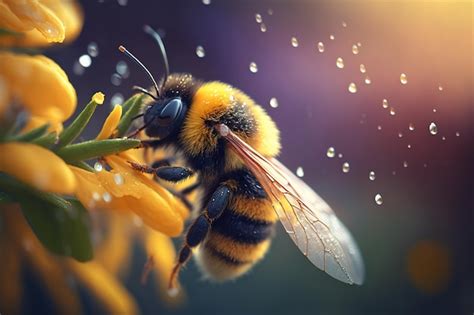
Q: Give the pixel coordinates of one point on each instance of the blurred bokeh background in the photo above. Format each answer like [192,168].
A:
[417,244]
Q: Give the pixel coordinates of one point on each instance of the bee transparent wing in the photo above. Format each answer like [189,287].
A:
[306,217]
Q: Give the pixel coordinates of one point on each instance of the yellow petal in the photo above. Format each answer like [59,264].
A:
[35,122]
[104,287]
[111,123]
[161,248]
[39,84]
[37,167]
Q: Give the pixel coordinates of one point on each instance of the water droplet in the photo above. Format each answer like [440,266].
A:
[405,164]
[96,196]
[122,69]
[339,155]
[359,44]
[340,63]
[425,165]
[116,99]
[457,134]
[294,42]
[85,61]
[362,68]
[258,18]
[384,103]
[253,67]
[98,167]
[331,37]
[263,28]
[118,179]
[394,173]
[137,221]
[173,292]
[411,126]
[270,12]
[344,24]
[443,138]
[409,146]
[379,127]
[77,69]
[206,2]
[367,80]
[352,87]
[273,102]
[107,197]
[355,49]
[331,152]
[403,78]
[433,128]
[434,110]
[440,88]
[392,111]
[321,47]
[400,135]
[93,49]
[378,199]
[200,51]
[116,79]
[372,175]
[122,2]
[299,171]
[345,167]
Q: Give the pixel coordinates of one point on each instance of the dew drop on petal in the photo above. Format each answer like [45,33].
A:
[359,44]
[434,110]
[96,196]
[403,78]
[433,128]
[116,99]
[331,37]
[107,197]
[93,49]
[116,79]
[263,27]
[253,67]
[273,102]
[200,52]
[384,103]
[362,68]
[299,171]
[321,47]
[392,111]
[258,18]
[378,199]
[372,175]
[294,42]
[411,126]
[352,87]
[355,49]
[345,167]
[98,167]
[443,138]
[331,152]
[118,179]
[85,61]
[340,63]
[367,80]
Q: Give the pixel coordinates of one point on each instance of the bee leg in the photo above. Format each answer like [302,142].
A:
[198,230]
[173,173]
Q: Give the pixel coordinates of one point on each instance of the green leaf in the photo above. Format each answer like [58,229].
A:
[47,140]
[77,126]
[132,110]
[96,148]
[31,135]
[64,232]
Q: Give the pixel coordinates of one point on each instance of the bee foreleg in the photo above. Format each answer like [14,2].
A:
[173,173]
[198,230]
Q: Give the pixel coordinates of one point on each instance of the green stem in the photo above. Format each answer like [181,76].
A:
[96,148]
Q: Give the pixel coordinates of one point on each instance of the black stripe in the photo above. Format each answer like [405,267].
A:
[224,257]
[247,184]
[242,229]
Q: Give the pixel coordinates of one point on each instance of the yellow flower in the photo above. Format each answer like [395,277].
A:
[36,166]
[40,85]
[110,123]
[40,22]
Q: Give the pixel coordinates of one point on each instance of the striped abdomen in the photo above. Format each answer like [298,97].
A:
[241,236]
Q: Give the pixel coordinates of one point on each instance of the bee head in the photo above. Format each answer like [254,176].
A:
[164,117]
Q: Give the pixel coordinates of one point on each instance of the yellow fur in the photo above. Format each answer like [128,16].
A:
[239,251]
[256,209]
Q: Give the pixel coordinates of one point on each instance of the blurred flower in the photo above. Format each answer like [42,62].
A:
[40,85]
[36,166]
[39,22]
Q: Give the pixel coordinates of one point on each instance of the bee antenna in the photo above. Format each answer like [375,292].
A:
[149,30]
[138,62]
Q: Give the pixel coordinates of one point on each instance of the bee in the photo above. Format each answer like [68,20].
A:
[231,144]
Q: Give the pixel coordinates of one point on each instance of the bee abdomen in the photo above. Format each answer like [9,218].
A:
[238,239]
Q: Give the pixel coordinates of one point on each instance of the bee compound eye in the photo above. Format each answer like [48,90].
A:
[171,111]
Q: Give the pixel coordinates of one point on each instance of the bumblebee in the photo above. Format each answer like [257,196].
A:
[230,143]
